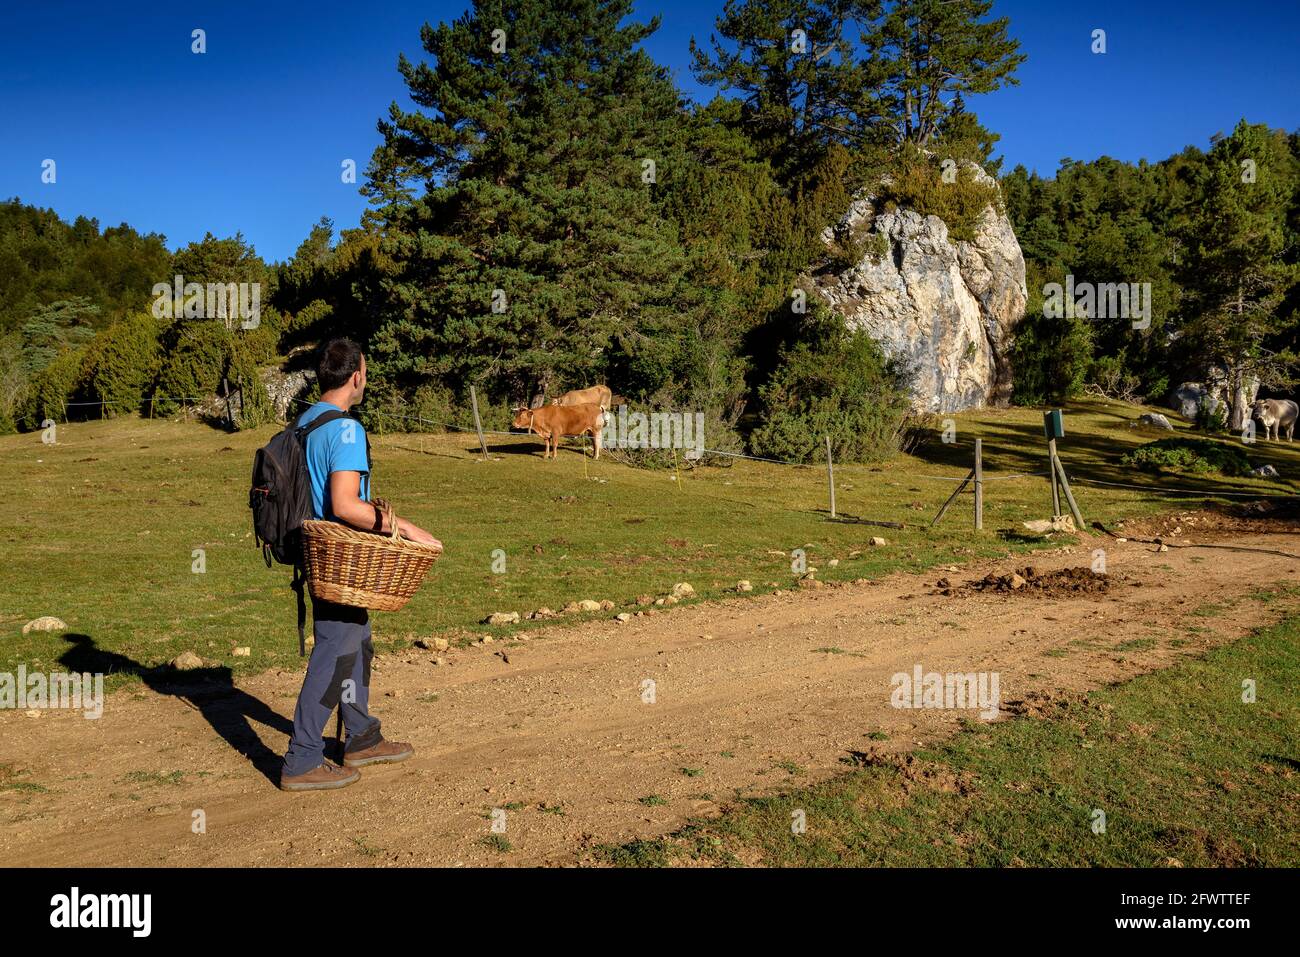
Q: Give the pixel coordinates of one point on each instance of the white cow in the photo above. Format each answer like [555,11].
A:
[1275,414]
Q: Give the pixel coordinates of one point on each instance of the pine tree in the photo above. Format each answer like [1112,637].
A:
[518,202]
[920,51]
[1236,270]
[792,63]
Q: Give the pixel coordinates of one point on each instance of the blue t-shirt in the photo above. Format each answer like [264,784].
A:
[338,446]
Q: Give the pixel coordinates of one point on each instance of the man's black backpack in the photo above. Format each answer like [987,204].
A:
[280,498]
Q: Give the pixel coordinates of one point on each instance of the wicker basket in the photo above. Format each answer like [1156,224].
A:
[364,569]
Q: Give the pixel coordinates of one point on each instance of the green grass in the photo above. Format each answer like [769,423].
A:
[497,842]
[153,777]
[1184,771]
[111,516]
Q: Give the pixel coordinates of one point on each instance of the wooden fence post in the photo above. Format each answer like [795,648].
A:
[478,427]
[1069,495]
[979,484]
[951,498]
[1051,468]
[830,474]
[230,417]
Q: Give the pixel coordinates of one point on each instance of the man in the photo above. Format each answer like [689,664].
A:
[338,672]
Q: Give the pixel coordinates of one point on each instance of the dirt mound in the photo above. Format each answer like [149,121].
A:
[1029,580]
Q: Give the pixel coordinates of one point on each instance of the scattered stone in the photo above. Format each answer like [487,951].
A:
[588,604]
[1155,420]
[242,652]
[877,542]
[744,585]
[669,600]
[683,590]
[1062,523]
[543,613]
[606,605]
[833,562]
[645,600]
[187,661]
[659,601]
[1016,582]
[571,607]
[811,583]
[1264,471]
[1163,547]
[45,623]
[623,616]
[502,618]
[486,640]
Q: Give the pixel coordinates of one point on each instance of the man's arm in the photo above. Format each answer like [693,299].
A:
[347,506]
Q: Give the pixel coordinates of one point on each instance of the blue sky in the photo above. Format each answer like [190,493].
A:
[250,136]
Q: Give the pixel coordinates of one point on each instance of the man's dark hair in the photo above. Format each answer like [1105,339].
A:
[339,358]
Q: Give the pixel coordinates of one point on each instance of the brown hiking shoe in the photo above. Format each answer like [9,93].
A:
[381,753]
[326,777]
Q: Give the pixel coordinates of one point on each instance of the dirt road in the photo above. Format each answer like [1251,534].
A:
[565,739]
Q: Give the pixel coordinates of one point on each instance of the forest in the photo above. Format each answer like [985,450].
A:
[553,211]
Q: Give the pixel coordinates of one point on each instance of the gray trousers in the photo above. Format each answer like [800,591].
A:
[338,675]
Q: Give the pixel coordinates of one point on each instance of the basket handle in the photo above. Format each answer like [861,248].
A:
[389,516]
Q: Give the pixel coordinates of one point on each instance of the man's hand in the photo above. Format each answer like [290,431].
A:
[416,534]
[347,506]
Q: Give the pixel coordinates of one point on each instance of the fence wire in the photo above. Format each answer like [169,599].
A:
[1206,493]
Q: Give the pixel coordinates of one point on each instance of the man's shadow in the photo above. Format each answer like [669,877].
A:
[210,691]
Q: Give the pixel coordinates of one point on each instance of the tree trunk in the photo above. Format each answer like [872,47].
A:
[1237,398]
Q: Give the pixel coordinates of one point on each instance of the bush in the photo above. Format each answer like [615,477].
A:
[309,317]
[255,405]
[121,362]
[1109,377]
[197,354]
[833,382]
[1049,359]
[1211,417]
[851,245]
[1194,456]
[52,388]
[916,182]
[262,344]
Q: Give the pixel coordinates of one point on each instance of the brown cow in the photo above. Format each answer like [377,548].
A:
[552,422]
[598,394]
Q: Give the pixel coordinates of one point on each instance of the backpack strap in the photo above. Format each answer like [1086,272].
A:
[330,415]
[299,580]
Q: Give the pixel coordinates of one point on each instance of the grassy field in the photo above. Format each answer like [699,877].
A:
[1185,772]
[106,523]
